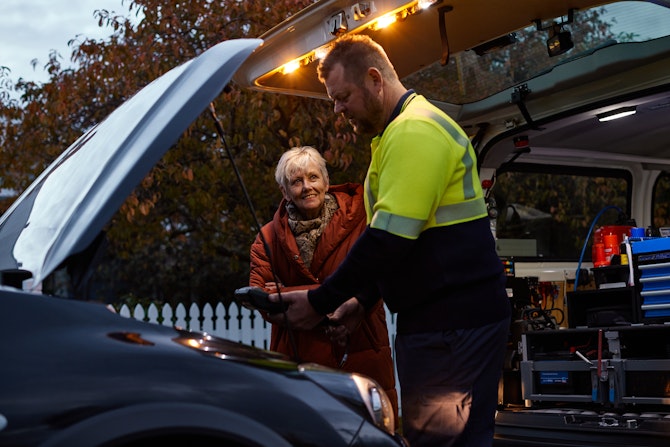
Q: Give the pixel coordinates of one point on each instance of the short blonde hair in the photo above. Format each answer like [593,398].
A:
[296,159]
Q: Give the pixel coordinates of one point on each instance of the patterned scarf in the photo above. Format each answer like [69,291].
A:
[307,232]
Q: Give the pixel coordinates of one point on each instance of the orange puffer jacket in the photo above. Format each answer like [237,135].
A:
[369,350]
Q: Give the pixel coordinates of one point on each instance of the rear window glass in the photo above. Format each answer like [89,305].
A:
[546,212]
[661,204]
[469,77]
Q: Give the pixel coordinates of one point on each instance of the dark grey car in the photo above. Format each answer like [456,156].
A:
[74,373]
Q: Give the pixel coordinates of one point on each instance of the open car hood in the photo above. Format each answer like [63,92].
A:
[67,206]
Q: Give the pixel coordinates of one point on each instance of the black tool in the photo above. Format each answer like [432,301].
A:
[255,298]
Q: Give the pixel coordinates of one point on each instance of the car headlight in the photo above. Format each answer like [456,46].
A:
[377,402]
[356,389]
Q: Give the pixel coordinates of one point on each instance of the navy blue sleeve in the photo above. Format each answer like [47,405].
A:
[375,253]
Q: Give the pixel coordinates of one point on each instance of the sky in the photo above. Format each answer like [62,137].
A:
[30,29]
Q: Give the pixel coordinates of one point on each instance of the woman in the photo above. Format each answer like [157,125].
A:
[312,230]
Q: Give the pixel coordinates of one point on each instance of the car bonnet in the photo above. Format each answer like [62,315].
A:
[67,206]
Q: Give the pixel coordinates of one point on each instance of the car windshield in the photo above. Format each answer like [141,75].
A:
[480,72]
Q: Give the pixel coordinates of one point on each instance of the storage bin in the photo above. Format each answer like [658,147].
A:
[652,264]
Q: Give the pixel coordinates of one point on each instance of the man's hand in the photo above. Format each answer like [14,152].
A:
[300,313]
[346,319]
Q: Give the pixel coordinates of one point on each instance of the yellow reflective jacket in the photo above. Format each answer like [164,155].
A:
[426,183]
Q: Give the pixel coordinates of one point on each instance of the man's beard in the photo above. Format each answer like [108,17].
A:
[370,124]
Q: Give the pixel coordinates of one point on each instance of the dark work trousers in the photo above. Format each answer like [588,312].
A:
[449,384]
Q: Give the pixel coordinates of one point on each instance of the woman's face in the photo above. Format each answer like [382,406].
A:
[307,190]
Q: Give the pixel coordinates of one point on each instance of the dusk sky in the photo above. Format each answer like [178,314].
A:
[30,29]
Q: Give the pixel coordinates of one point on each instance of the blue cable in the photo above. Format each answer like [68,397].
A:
[588,236]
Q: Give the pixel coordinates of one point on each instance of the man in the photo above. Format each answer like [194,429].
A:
[427,250]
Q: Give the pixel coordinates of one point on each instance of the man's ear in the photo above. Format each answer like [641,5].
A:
[376,77]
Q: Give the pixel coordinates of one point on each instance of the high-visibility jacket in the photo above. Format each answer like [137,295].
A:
[422,187]
[428,247]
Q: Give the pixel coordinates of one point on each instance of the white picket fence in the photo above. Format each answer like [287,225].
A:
[231,322]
